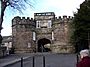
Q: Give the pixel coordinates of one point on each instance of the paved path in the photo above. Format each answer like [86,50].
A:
[13,58]
[51,60]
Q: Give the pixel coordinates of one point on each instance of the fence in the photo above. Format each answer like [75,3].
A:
[47,60]
[33,61]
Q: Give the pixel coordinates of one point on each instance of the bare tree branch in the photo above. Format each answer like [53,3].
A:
[15,4]
[28,3]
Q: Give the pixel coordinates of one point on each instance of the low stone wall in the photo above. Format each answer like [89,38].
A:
[62,48]
[28,50]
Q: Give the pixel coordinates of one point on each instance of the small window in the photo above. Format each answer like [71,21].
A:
[29,45]
[34,36]
[49,23]
[52,36]
[38,24]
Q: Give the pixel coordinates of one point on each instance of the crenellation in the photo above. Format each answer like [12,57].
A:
[32,19]
[28,18]
[23,18]
[15,20]
[17,17]
[64,17]
[70,17]
[44,27]
[59,17]
[55,18]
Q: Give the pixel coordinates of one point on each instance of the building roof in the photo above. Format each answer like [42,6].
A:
[7,39]
[44,14]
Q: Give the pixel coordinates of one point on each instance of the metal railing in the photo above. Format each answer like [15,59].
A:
[33,61]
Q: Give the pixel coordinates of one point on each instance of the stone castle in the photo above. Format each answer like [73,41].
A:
[44,33]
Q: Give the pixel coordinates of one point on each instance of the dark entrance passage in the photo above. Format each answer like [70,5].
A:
[41,44]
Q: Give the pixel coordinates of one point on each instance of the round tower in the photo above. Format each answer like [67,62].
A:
[22,32]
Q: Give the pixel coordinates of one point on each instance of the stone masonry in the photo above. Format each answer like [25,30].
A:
[44,32]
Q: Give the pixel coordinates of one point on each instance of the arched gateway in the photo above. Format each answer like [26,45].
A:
[42,43]
[44,32]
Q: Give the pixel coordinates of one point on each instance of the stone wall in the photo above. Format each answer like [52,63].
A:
[61,35]
[22,31]
[23,28]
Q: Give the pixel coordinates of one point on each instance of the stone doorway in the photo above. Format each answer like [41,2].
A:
[42,43]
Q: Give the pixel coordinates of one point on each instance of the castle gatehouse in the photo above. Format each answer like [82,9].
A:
[43,33]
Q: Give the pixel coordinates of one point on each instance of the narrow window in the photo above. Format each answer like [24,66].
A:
[34,36]
[49,23]
[29,45]
[38,24]
[52,36]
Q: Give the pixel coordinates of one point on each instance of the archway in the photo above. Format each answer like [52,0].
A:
[42,43]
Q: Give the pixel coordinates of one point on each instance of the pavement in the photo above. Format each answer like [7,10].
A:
[14,58]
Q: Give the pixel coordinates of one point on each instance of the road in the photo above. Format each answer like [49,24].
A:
[51,60]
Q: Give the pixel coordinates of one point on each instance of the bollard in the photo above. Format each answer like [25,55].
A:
[21,62]
[43,61]
[3,52]
[77,58]
[33,61]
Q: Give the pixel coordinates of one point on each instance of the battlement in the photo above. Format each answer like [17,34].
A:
[28,20]
[29,33]
[22,20]
[64,18]
[44,14]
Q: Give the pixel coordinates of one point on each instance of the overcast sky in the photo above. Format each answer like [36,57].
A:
[60,7]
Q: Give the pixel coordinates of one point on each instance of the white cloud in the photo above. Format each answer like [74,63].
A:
[60,7]
[6,31]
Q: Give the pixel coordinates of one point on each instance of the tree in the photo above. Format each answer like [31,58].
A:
[81,26]
[16,4]
[0,39]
